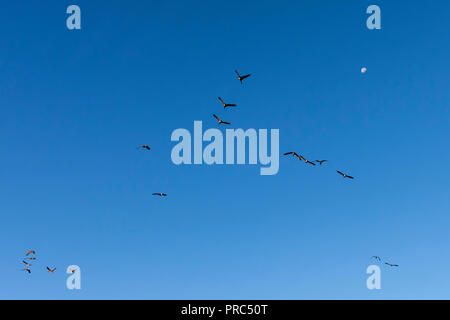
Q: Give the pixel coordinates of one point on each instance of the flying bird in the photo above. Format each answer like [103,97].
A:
[32,258]
[51,270]
[321,161]
[27,270]
[242,77]
[377,258]
[144,147]
[30,252]
[220,121]
[227,104]
[307,161]
[160,194]
[392,265]
[295,154]
[27,264]
[344,175]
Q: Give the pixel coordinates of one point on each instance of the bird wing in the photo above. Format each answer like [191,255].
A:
[221,100]
[246,76]
[216,117]
[224,122]
[237,73]
[231,105]
[340,173]
[350,177]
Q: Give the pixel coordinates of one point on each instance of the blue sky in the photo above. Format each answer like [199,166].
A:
[76,104]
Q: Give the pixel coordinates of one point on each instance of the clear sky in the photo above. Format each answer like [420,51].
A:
[76,104]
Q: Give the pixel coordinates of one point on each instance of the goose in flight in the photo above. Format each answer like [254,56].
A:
[144,147]
[242,77]
[321,161]
[220,121]
[307,161]
[377,258]
[295,154]
[31,258]
[227,104]
[51,270]
[391,265]
[26,264]
[160,194]
[27,270]
[344,175]
[30,252]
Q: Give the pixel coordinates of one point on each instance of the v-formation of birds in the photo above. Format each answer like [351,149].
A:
[220,121]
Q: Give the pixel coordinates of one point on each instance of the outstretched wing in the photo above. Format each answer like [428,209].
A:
[217,118]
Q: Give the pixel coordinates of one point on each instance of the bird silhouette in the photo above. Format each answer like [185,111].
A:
[377,258]
[242,77]
[27,270]
[26,264]
[30,252]
[344,175]
[160,194]
[51,270]
[227,104]
[391,265]
[321,161]
[220,121]
[144,147]
[295,154]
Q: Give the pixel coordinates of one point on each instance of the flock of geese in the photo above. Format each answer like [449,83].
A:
[291,153]
[220,121]
[33,258]
[320,162]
